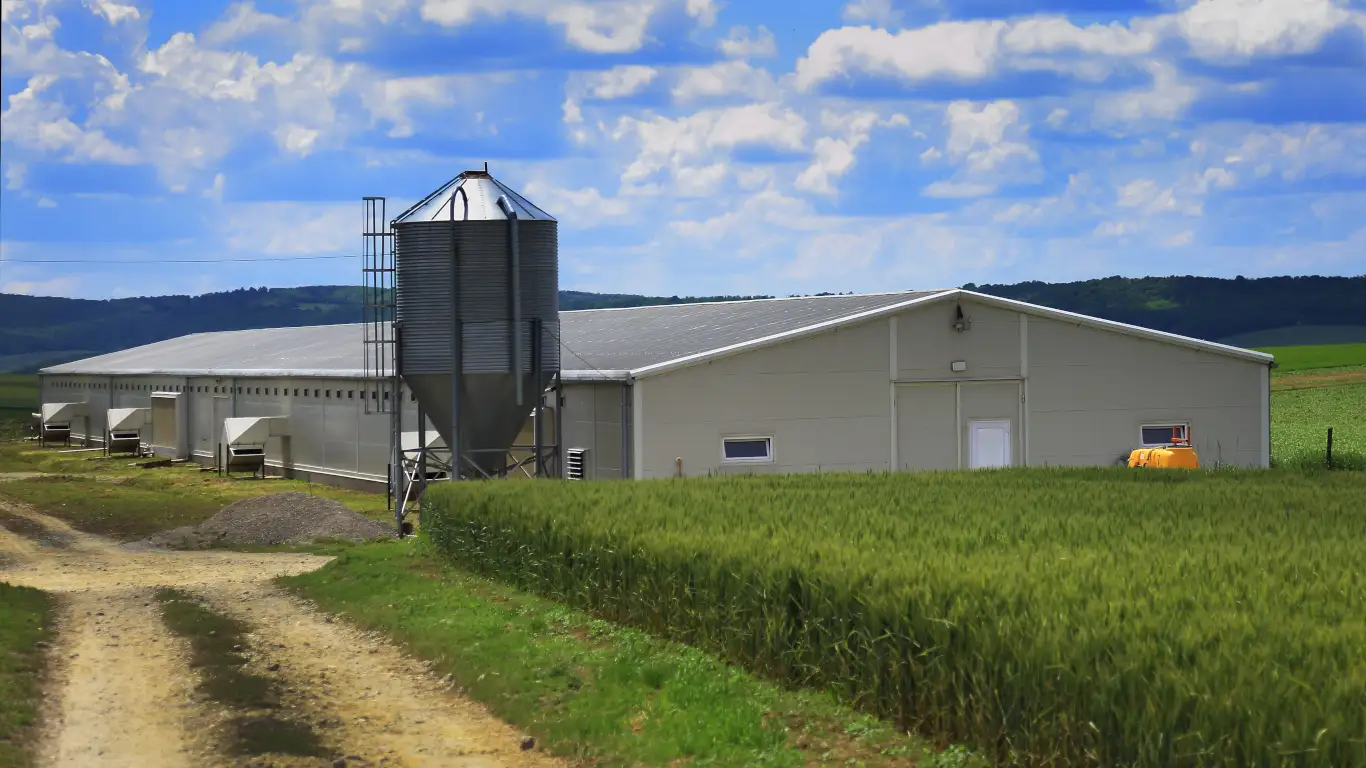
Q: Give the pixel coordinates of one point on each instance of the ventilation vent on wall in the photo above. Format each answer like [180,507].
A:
[575,460]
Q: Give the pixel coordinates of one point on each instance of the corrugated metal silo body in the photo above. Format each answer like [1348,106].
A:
[429,245]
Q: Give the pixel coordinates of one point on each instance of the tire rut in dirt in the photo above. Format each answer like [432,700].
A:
[35,531]
[366,697]
[253,727]
[122,696]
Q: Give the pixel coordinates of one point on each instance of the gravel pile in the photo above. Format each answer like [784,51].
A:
[281,518]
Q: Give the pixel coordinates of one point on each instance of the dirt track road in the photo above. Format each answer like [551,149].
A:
[122,693]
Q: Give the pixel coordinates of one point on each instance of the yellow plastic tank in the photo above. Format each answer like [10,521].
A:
[1165,457]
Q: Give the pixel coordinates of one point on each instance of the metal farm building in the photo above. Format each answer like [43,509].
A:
[900,381]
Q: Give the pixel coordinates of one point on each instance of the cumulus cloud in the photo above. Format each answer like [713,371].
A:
[618,82]
[834,155]
[703,10]
[698,139]
[390,100]
[243,20]
[962,50]
[1164,100]
[612,26]
[727,78]
[581,208]
[113,12]
[1224,29]
[44,125]
[742,44]
[879,12]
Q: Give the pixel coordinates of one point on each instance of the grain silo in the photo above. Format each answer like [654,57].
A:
[476,304]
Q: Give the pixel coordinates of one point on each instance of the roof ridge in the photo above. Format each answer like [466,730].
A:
[756,301]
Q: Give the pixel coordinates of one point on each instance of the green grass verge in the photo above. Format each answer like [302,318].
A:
[1057,617]
[25,621]
[1289,359]
[1300,419]
[589,689]
[111,498]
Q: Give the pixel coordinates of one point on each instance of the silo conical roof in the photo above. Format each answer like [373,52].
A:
[482,191]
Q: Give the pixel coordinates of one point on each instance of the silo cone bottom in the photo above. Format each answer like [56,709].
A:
[489,415]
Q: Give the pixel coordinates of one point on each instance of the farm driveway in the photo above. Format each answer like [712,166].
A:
[122,693]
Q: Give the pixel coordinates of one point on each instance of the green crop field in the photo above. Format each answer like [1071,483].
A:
[1290,359]
[18,398]
[18,392]
[1053,617]
[1300,419]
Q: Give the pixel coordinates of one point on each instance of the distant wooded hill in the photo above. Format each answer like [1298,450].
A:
[39,331]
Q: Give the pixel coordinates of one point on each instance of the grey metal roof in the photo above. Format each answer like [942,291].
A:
[478,203]
[592,341]
[319,350]
[638,337]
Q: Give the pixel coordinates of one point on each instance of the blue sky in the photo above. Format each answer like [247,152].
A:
[688,146]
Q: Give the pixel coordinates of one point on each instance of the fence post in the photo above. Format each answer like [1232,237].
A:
[1329,458]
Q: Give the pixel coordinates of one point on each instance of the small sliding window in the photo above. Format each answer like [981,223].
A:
[1163,434]
[746,450]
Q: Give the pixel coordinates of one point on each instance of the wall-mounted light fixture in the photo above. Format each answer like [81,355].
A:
[958,366]
[960,322]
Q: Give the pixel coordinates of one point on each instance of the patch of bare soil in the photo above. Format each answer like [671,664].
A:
[123,695]
[1318,380]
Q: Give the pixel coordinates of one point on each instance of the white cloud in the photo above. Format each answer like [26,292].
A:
[618,82]
[391,99]
[1179,239]
[57,286]
[46,202]
[834,155]
[931,154]
[702,10]
[1221,29]
[14,175]
[682,142]
[296,139]
[290,229]
[1055,34]
[727,78]
[1114,229]
[1057,117]
[958,189]
[611,26]
[977,134]
[215,192]
[43,125]
[242,20]
[964,50]
[1151,198]
[113,12]
[832,255]
[583,207]
[1165,100]
[879,12]
[739,44]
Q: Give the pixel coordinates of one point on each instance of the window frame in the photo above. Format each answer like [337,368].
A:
[1185,432]
[766,459]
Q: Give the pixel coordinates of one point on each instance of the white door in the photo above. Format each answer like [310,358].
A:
[989,443]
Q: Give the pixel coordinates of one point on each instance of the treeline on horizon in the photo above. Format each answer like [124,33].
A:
[40,331]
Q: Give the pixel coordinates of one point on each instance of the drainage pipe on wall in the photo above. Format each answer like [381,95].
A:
[457,340]
[515,287]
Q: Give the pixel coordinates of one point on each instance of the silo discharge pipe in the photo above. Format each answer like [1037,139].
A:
[515,286]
